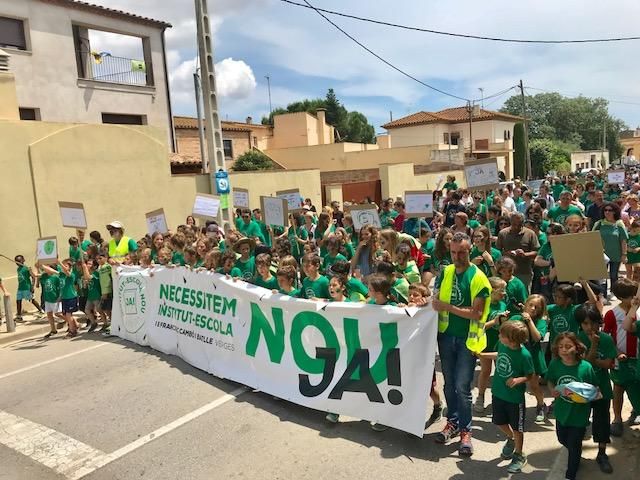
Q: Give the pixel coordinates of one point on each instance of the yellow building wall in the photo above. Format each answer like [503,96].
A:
[399,178]
[9,103]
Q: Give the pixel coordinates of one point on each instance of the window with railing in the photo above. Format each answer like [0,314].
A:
[104,67]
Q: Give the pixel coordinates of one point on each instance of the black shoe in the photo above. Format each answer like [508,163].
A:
[436,415]
[603,462]
[92,327]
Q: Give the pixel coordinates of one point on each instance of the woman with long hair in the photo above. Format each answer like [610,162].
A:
[614,237]
[441,256]
[483,254]
[364,259]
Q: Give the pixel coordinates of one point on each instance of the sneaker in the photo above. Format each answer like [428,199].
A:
[39,314]
[51,334]
[18,319]
[478,406]
[332,417]
[378,427]
[519,461]
[106,332]
[541,413]
[634,419]
[507,450]
[617,429]
[603,462]
[448,432]
[466,448]
[436,415]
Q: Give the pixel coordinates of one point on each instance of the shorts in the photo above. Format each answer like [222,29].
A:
[625,373]
[82,302]
[24,295]
[507,413]
[52,307]
[107,303]
[70,305]
[92,305]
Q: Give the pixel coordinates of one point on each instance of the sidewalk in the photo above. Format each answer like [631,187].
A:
[32,327]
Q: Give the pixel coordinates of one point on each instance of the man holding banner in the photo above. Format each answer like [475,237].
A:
[462,303]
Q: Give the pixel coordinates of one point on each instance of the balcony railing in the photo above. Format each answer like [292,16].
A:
[104,67]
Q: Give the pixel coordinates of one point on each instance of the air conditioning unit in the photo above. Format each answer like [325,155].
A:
[4,61]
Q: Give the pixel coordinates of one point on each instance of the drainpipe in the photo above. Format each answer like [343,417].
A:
[166,79]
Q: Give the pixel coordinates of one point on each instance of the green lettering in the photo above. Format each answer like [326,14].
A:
[217,302]
[172,293]
[164,290]
[311,319]
[388,338]
[229,305]
[185,294]
[274,337]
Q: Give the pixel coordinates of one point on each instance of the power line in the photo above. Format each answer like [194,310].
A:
[459,35]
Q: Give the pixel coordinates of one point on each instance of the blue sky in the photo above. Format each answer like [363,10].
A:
[304,55]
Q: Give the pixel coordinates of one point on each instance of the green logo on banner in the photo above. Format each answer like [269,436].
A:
[49,247]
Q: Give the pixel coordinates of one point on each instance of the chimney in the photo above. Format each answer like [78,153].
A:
[321,121]
[476,110]
[249,120]
[8,97]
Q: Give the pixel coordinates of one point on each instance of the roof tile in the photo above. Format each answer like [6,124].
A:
[109,12]
[448,115]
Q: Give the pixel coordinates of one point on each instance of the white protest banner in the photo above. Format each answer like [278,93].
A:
[47,249]
[274,211]
[482,174]
[534,185]
[156,222]
[418,203]
[365,361]
[240,197]
[293,198]
[73,215]
[616,177]
[206,206]
[366,214]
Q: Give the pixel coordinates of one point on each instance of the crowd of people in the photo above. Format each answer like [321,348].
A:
[483,261]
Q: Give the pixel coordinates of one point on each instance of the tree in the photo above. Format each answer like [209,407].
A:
[519,152]
[253,160]
[549,155]
[350,126]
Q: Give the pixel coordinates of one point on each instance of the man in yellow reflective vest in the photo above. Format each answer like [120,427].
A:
[119,245]
[462,302]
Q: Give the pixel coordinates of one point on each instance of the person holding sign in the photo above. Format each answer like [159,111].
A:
[119,245]
[25,287]
[462,303]
[249,227]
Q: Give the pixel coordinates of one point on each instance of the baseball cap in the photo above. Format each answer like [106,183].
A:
[115,224]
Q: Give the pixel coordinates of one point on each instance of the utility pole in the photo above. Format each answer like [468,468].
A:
[213,129]
[529,173]
[604,145]
[269,90]
[470,110]
[482,97]
[203,150]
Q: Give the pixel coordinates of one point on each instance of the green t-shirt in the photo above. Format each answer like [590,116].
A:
[75,253]
[438,264]
[567,412]
[562,320]
[461,297]
[85,245]
[356,290]
[234,272]
[556,190]
[450,186]
[542,238]
[24,278]
[546,253]
[271,284]
[69,285]
[613,234]
[293,293]
[410,272]
[177,258]
[535,348]
[428,246]
[328,260]
[400,290]
[633,242]
[484,266]
[296,248]
[264,230]
[251,230]
[106,280]
[493,332]
[515,293]
[606,351]
[318,288]
[559,214]
[93,290]
[511,364]
[389,302]
[387,218]
[247,268]
[473,224]
[50,285]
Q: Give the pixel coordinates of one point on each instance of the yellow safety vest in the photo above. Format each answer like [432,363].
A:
[119,251]
[476,338]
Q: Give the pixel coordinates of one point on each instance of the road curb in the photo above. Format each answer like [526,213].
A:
[32,331]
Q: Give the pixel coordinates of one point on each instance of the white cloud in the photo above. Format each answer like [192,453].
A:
[235,78]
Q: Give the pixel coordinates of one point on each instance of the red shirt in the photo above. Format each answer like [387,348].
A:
[613,324]
[398,223]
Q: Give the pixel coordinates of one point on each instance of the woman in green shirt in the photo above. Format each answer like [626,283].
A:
[483,254]
[157,242]
[614,237]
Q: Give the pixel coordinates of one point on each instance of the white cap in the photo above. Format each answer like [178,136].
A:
[115,224]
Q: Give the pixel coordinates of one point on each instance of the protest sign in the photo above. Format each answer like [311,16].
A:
[293,198]
[156,222]
[365,361]
[616,177]
[534,185]
[274,211]
[206,206]
[482,174]
[73,215]
[365,214]
[240,197]
[578,256]
[418,203]
[47,249]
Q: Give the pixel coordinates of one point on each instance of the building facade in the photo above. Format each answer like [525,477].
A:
[60,77]
[587,159]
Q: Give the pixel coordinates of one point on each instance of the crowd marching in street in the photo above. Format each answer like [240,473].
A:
[483,261]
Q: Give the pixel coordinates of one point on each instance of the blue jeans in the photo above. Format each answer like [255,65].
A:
[614,269]
[458,365]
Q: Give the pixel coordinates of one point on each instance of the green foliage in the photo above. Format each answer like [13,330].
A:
[350,126]
[576,121]
[549,155]
[563,168]
[253,160]
[519,151]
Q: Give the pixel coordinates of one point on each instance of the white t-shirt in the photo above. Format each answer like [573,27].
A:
[509,204]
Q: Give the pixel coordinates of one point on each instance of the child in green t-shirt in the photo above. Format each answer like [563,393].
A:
[69,295]
[571,418]
[338,289]
[562,312]
[247,262]
[286,276]
[228,262]
[332,244]
[405,266]
[25,287]
[265,278]
[178,242]
[516,291]
[633,251]
[380,290]
[514,368]
[314,285]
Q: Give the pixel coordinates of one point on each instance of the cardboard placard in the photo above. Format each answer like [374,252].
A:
[418,203]
[156,222]
[578,256]
[206,206]
[366,214]
[482,174]
[240,197]
[275,211]
[293,198]
[534,185]
[47,249]
[73,215]
[616,177]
